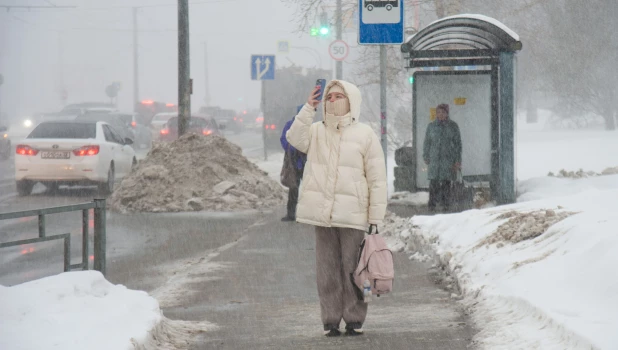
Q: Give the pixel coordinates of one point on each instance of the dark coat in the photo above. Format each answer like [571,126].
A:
[442,149]
[293,161]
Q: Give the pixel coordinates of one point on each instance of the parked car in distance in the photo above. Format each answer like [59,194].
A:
[73,153]
[158,122]
[197,124]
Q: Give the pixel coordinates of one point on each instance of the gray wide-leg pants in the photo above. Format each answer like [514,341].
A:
[336,257]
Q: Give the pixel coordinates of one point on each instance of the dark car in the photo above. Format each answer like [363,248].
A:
[197,124]
[5,143]
[226,118]
[235,122]
[142,137]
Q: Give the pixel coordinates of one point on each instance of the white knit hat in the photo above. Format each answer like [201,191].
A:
[337,88]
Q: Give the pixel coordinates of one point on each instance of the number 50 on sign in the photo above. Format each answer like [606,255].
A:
[339,50]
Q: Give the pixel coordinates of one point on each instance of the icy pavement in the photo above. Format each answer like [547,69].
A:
[539,274]
[261,293]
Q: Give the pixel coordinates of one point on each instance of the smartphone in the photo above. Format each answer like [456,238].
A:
[322,84]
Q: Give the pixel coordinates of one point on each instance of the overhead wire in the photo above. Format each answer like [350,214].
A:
[84,9]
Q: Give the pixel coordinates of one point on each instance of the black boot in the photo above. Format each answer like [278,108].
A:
[331,330]
[354,328]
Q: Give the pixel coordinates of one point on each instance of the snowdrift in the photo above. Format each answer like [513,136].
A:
[539,274]
[196,173]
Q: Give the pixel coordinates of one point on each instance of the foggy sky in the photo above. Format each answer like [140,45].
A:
[89,47]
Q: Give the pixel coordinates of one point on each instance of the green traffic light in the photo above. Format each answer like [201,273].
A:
[411,80]
[314,31]
[324,30]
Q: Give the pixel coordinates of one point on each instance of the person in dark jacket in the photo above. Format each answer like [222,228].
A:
[297,160]
[442,153]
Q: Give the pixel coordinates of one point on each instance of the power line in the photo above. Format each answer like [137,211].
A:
[75,8]
[29,7]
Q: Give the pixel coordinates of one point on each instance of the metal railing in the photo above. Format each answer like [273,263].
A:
[98,206]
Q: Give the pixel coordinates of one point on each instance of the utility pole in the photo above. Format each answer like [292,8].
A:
[184,76]
[61,87]
[135,64]
[339,27]
[383,102]
[207,93]
[263,107]
[1,82]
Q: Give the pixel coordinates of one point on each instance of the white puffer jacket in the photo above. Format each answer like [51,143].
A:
[344,181]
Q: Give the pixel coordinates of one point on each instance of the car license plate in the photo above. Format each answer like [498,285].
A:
[55,155]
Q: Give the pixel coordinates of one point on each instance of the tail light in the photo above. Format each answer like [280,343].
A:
[259,119]
[266,126]
[165,131]
[206,131]
[241,120]
[133,124]
[234,118]
[86,151]
[272,126]
[26,150]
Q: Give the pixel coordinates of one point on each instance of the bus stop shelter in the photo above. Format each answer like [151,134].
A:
[468,61]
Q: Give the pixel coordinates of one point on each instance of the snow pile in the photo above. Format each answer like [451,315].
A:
[521,226]
[392,229]
[82,310]
[196,173]
[549,281]
[583,174]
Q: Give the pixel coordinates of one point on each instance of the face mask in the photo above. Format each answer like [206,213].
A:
[338,108]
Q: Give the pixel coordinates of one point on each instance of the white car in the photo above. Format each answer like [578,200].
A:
[73,153]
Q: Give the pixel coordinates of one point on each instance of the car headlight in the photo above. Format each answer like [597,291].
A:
[6,136]
[27,123]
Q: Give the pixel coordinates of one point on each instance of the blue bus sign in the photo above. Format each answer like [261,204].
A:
[381,22]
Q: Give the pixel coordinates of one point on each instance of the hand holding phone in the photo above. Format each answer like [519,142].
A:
[322,84]
[318,92]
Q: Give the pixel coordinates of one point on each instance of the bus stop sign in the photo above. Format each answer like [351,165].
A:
[381,22]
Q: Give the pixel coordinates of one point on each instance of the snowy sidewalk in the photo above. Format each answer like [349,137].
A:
[263,296]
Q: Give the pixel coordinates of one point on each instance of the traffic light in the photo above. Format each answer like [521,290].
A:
[324,25]
[324,28]
[411,79]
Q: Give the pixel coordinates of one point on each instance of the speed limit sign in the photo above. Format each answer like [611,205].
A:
[339,50]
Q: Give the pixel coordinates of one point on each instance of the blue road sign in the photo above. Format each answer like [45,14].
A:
[381,22]
[263,67]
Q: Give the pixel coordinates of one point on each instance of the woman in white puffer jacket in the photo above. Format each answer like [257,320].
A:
[342,193]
